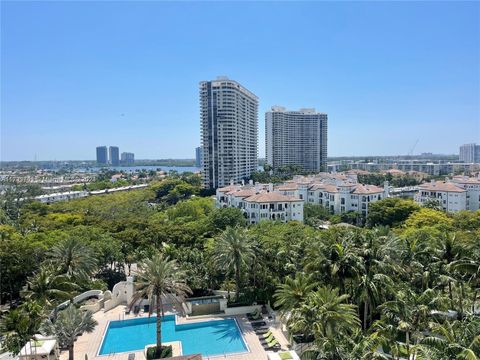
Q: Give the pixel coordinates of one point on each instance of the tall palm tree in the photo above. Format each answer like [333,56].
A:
[469,270]
[379,252]
[69,324]
[156,278]
[20,324]
[46,287]
[410,312]
[233,250]
[459,339]
[73,258]
[293,292]
[330,319]
[336,261]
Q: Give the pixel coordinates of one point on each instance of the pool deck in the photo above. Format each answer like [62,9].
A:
[89,344]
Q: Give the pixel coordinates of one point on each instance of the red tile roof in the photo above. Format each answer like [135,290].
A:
[228,188]
[441,186]
[271,197]
[466,180]
[287,186]
[367,189]
[243,193]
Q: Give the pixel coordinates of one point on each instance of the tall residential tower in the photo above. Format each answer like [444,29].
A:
[470,153]
[114,155]
[102,157]
[296,138]
[229,127]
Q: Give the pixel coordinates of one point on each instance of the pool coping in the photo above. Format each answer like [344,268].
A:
[242,335]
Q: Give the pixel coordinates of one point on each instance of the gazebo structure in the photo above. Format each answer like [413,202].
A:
[40,348]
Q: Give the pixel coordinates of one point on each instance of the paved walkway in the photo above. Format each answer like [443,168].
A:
[89,344]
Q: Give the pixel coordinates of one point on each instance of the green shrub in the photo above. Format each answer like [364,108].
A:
[165,353]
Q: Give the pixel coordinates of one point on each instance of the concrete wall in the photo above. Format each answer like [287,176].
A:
[240,310]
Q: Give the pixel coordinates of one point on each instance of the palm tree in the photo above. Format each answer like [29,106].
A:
[73,258]
[69,324]
[294,292]
[20,324]
[157,277]
[379,256]
[46,287]
[326,315]
[410,312]
[459,339]
[335,261]
[469,269]
[233,250]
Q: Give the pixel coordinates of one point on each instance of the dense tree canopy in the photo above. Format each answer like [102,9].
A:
[347,291]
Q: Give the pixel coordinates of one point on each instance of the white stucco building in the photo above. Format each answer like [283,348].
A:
[455,194]
[64,196]
[451,197]
[339,193]
[260,202]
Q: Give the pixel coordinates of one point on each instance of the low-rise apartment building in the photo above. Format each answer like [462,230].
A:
[450,197]
[339,193]
[260,202]
[455,194]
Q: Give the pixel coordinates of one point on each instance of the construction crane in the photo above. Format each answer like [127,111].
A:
[410,153]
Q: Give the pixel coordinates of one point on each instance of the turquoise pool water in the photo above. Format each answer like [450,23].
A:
[208,338]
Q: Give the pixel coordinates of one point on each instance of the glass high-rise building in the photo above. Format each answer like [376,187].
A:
[114,153]
[229,132]
[102,157]
[296,138]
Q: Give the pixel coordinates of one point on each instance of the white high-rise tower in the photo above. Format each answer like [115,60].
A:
[296,138]
[229,127]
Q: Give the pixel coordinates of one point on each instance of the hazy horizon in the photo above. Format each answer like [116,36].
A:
[76,75]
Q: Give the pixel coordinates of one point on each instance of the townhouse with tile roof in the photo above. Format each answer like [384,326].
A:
[260,202]
[455,194]
[338,193]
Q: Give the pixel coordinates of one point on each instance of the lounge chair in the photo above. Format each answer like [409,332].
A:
[273,345]
[267,340]
[258,324]
[255,317]
[146,308]
[136,309]
[265,335]
[285,355]
[262,330]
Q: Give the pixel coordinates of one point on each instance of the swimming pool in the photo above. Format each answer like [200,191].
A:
[208,338]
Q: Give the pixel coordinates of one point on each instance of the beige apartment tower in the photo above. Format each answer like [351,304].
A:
[296,138]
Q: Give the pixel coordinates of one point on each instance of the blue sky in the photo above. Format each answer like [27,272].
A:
[75,75]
